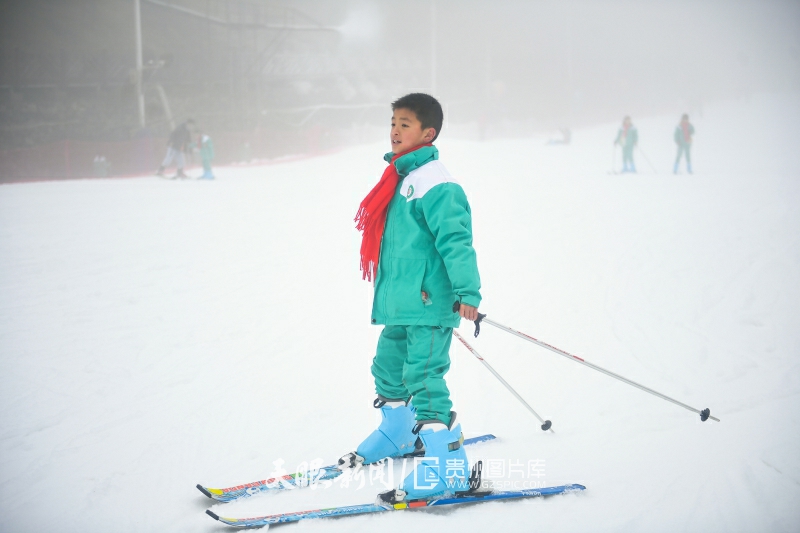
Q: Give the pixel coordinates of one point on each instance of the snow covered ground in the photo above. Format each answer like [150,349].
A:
[157,334]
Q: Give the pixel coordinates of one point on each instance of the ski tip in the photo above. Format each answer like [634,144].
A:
[704,414]
[202,489]
[212,514]
[547,424]
[481,438]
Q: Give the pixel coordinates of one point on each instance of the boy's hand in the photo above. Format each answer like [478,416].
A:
[468,312]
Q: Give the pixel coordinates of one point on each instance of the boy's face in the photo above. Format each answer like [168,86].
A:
[407,131]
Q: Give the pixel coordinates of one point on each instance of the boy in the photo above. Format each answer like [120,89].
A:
[683,138]
[627,137]
[417,246]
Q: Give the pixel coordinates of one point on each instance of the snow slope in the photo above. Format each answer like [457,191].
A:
[156,334]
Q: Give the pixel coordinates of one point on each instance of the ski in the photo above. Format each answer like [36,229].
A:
[352,510]
[290,481]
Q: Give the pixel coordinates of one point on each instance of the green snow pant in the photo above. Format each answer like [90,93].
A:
[684,149]
[412,361]
[627,159]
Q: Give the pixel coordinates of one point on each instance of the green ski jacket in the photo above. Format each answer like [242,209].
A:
[426,246]
[680,140]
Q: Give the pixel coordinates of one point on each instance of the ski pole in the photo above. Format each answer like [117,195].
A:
[647,159]
[705,414]
[545,423]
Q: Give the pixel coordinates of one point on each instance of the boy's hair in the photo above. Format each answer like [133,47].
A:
[425,107]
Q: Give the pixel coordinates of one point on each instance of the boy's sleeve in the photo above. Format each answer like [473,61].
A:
[449,218]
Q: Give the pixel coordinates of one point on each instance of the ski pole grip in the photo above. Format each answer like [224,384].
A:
[481,316]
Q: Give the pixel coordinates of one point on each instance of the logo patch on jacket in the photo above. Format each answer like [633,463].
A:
[410,192]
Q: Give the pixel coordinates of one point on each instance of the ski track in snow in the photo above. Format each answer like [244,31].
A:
[157,334]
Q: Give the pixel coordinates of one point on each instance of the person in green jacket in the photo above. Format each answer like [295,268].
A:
[627,137]
[684,132]
[417,248]
[207,155]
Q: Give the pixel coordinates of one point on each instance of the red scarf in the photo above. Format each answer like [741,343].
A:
[371,217]
[687,136]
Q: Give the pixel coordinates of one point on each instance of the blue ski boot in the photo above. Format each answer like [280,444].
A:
[443,471]
[393,438]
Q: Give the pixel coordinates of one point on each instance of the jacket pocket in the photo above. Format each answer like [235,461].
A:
[403,289]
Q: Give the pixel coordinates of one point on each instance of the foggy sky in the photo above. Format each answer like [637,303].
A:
[545,62]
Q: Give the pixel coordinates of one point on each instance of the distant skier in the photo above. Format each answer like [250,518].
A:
[683,138]
[101,166]
[627,137]
[179,141]
[417,246]
[206,155]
